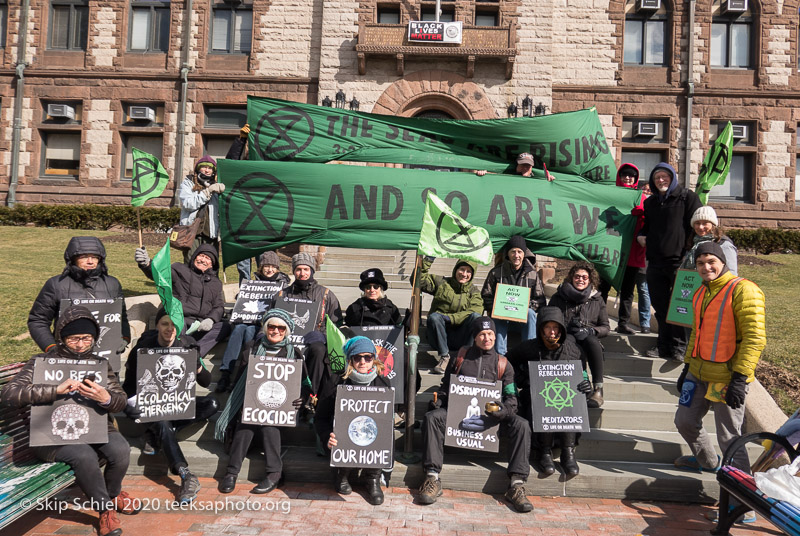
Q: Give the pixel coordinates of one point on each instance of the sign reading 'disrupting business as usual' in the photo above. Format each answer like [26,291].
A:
[468,425]
[363,427]
[558,406]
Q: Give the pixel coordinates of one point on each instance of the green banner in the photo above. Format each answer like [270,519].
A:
[162,276]
[716,164]
[443,231]
[267,205]
[149,177]
[680,310]
[570,142]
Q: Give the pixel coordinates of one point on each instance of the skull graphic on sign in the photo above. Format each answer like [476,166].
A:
[170,370]
[70,421]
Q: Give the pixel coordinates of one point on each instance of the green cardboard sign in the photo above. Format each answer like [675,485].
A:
[680,311]
[511,303]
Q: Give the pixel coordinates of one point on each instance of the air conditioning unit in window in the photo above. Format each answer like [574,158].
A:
[734,6]
[648,5]
[739,132]
[61,111]
[141,113]
[647,128]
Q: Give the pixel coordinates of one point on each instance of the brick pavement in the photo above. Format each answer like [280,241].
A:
[315,509]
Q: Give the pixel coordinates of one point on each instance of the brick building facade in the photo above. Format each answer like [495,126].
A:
[664,77]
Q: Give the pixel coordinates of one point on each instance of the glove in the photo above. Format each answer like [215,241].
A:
[681,378]
[132,412]
[429,258]
[585,387]
[245,130]
[122,346]
[216,188]
[436,403]
[206,324]
[734,396]
[583,333]
[500,414]
[297,403]
[141,257]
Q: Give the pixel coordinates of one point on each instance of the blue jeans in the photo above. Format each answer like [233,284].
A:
[443,335]
[243,267]
[242,333]
[528,331]
[644,300]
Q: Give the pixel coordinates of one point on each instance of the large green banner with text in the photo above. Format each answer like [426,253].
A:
[570,142]
[267,205]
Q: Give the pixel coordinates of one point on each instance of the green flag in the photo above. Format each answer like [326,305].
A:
[149,178]
[716,164]
[162,276]
[445,234]
[335,340]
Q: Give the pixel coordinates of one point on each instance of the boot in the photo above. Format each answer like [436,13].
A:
[596,398]
[568,461]
[109,524]
[546,462]
[442,365]
[374,491]
[430,490]
[624,329]
[224,382]
[342,485]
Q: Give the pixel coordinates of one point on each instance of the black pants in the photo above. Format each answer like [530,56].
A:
[593,354]
[625,292]
[516,428]
[206,340]
[270,437]
[545,441]
[166,431]
[99,486]
[671,338]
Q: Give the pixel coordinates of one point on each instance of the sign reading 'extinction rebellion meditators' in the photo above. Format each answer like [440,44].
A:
[557,404]
[391,348]
[108,313]
[468,425]
[71,418]
[272,204]
[363,427]
[253,301]
[273,383]
[166,381]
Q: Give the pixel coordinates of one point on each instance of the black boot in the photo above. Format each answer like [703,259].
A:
[224,382]
[546,462]
[374,491]
[568,461]
[342,485]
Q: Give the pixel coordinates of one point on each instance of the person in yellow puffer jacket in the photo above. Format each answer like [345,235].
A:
[728,336]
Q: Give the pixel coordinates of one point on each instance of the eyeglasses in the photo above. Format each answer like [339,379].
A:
[578,276]
[372,286]
[275,327]
[75,339]
[363,357]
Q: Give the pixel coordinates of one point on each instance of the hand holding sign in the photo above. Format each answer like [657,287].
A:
[93,391]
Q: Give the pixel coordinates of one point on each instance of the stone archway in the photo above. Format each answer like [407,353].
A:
[435,90]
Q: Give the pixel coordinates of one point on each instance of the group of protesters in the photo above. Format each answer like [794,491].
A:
[673,229]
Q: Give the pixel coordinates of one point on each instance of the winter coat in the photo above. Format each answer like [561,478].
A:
[149,339]
[71,284]
[193,201]
[280,277]
[729,249]
[200,292]
[317,293]
[591,313]
[526,276]
[482,364]
[451,298]
[637,254]
[366,312]
[667,221]
[751,338]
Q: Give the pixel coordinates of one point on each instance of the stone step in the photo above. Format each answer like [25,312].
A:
[657,416]
[640,389]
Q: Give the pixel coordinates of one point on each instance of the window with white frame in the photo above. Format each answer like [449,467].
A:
[149,26]
[152,144]
[645,38]
[231,28]
[731,35]
[61,157]
[738,186]
[69,25]
[388,14]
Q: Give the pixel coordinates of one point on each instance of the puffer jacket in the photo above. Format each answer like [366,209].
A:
[592,312]
[200,292]
[637,254]
[749,314]
[526,277]
[71,284]
[451,298]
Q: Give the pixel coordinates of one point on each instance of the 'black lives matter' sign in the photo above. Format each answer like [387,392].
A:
[305,314]
[273,383]
[391,348]
[557,404]
[468,426]
[108,313]
[166,380]
[253,301]
[71,418]
[363,427]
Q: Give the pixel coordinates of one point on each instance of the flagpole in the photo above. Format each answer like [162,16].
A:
[408,456]
[139,225]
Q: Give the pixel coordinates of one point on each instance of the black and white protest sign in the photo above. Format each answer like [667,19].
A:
[557,404]
[468,425]
[391,348]
[71,418]
[253,301]
[305,314]
[273,383]
[363,427]
[108,313]
[166,380]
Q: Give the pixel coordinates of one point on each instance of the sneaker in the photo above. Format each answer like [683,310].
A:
[624,329]
[125,504]
[442,365]
[430,490]
[190,486]
[748,517]
[516,496]
[109,524]
[691,463]
[150,446]
[653,352]
[677,355]
[645,330]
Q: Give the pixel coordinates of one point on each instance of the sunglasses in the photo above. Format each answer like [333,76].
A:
[275,327]
[363,357]
[74,339]
[576,276]
[372,286]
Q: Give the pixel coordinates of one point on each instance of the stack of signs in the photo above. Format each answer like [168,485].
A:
[363,427]
[305,314]
[71,418]
[557,404]
[468,425]
[391,351]
[273,383]
[253,301]
[108,313]
[166,379]
[511,302]
[681,311]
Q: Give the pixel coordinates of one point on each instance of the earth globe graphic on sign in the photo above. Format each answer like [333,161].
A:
[363,430]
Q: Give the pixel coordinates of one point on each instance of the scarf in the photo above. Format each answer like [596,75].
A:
[574,295]
[363,379]
[303,286]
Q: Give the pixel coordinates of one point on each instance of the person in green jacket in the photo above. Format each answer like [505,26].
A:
[456,303]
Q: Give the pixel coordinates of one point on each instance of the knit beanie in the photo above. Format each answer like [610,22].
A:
[160,314]
[281,317]
[482,323]
[359,345]
[268,257]
[516,241]
[304,258]
[710,247]
[79,326]
[705,213]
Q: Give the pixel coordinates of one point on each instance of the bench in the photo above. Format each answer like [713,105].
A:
[736,483]
[24,479]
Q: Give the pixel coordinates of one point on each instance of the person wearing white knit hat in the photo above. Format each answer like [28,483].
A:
[706,227]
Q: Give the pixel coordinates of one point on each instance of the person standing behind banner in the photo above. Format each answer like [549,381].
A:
[199,198]
[75,336]
[238,151]
[706,227]
[363,368]
[519,269]
[525,164]
[163,434]
[641,279]
[84,276]
[269,269]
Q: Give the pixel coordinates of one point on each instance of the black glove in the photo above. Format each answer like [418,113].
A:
[734,397]
[297,403]
[500,414]
[682,377]
[132,412]
[436,403]
[585,387]
[583,333]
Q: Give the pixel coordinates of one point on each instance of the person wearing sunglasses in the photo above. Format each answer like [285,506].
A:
[373,308]
[278,327]
[363,368]
[585,314]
